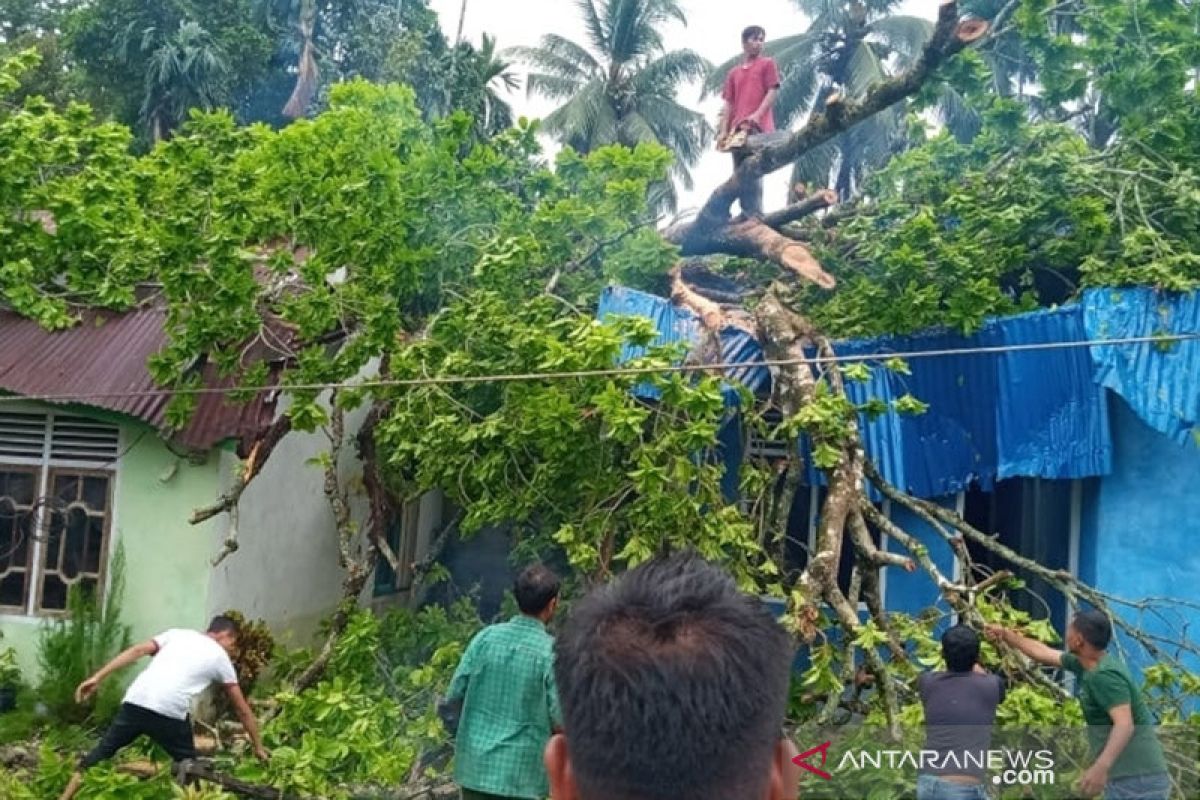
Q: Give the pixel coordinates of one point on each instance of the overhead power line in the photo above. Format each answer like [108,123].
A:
[445,380]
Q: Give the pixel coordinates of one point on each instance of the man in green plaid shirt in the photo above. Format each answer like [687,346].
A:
[505,683]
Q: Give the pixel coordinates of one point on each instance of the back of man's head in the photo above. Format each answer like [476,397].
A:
[1094,627]
[960,648]
[534,588]
[223,624]
[673,684]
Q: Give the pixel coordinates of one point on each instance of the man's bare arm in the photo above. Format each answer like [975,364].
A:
[1041,653]
[723,123]
[246,716]
[764,106]
[122,660]
[1095,777]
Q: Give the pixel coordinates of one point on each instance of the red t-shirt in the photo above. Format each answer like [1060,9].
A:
[745,87]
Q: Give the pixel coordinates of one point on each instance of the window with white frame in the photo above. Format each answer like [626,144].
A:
[56,497]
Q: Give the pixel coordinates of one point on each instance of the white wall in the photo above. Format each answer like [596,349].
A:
[286,570]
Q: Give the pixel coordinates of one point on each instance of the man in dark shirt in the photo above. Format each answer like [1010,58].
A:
[960,708]
[1128,761]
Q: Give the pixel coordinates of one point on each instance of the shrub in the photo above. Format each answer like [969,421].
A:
[71,649]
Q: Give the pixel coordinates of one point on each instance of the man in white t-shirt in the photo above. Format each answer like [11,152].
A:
[158,703]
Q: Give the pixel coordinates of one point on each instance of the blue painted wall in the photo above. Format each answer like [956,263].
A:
[1141,523]
[911,593]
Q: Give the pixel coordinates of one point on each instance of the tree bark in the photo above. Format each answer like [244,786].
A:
[714,231]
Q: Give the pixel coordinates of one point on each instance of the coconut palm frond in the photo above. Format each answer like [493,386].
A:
[586,121]
[552,86]
[495,67]
[904,35]
[960,118]
[683,131]
[670,70]
[550,63]
[799,86]
[593,24]
[866,70]
[564,49]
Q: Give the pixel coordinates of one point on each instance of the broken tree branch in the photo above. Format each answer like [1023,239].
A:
[259,454]
[714,231]
[810,205]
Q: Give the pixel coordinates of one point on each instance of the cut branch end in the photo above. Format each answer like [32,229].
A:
[971,30]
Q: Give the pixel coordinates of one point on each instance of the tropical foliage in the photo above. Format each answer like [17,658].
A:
[428,247]
[621,87]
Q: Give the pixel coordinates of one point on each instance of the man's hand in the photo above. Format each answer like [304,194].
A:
[1093,780]
[995,633]
[86,689]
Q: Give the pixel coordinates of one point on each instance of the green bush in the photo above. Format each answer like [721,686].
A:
[372,716]
[10,673]
[71,649]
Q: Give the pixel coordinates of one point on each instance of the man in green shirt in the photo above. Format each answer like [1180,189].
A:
[505,684]
[1128,759]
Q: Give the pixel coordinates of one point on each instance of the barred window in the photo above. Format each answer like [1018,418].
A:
[56,487]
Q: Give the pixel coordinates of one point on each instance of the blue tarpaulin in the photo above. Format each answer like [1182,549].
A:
[1002,414]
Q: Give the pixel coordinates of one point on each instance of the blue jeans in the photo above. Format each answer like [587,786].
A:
[1138,787]
[931,787]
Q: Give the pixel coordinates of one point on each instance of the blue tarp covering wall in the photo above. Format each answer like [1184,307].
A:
[1010,413]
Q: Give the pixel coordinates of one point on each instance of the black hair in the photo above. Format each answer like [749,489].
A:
[223,624]
[535,587]
[960,648]
[752,31]
[673,683]
[1094,627]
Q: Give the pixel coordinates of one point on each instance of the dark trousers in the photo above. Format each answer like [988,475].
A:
[172,735]
[751,198]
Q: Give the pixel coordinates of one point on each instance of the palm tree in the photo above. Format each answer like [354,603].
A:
[621,87]
[850,46]
[298,20]
[184,71]
[495,72]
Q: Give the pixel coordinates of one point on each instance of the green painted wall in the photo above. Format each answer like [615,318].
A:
[167,560]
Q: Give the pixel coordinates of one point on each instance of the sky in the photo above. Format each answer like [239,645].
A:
[713,31]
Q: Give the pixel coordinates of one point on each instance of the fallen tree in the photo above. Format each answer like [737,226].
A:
[453,267]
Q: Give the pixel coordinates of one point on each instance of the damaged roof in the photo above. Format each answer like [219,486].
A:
[101,363]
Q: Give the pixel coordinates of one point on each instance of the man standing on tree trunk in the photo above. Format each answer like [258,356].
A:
[749,93]
[159,701]
[1128,761]
[509,703]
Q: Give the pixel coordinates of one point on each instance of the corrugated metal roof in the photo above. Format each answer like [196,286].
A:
[1160,383]
[107,353]
[1031,413]
[991,415]
[676,324]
